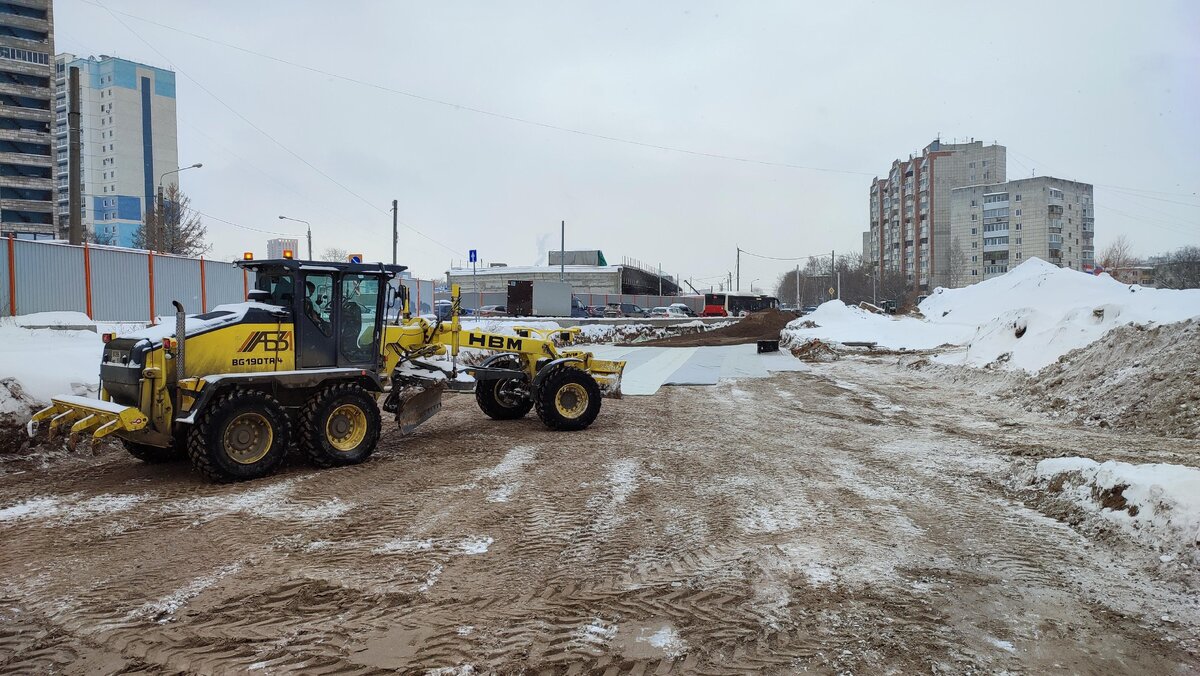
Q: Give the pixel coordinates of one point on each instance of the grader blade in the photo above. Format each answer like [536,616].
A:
[420,406]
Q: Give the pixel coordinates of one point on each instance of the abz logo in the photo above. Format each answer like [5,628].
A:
[267,341]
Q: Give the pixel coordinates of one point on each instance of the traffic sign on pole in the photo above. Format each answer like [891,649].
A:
[471,256]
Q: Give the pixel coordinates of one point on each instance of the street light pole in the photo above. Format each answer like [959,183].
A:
[156,237]
[308,228]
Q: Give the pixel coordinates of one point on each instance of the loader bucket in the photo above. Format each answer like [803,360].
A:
[608,376]
[81,414]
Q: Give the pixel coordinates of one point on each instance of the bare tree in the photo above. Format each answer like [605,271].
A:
[956,269]
[1118,254]
[177,230]
[1179,269]
[334,254]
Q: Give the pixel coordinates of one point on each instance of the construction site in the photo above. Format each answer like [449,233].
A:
[880,494]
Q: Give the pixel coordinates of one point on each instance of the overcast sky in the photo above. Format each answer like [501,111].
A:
[1106,93]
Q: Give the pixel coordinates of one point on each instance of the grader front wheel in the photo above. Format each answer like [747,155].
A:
[339,426]
[242,435]
[568,399]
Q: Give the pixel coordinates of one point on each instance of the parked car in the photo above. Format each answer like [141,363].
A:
[683,307]
[442,310]
[668,313]
[807,309]
[578,309]
[624,310]
[493,311]
[595,310]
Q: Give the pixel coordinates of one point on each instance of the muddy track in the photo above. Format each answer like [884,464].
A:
[832,520]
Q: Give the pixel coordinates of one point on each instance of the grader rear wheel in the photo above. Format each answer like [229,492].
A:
[339,426]
[242,435]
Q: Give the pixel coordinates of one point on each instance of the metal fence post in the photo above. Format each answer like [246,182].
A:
[150,268]
[12,276]
[87,278]
[203,290]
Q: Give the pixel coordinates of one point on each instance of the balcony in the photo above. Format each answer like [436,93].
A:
[989,248]
[1054,210]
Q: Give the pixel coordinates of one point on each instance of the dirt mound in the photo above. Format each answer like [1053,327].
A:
[15,409]
[814,349]
[1135,377]
[764,325]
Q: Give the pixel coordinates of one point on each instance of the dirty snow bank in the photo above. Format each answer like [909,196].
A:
[1133,377]
[1025,319]
[1157,504]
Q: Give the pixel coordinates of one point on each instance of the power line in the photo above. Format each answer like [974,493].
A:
[260,130]
[483,111]
[779,258]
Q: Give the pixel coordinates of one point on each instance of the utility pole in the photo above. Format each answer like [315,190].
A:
[156,244]
[738,267]
[660,281]
[308,234]
[395,231]
[75,223]
[562,254]
[797,286]
[730,287]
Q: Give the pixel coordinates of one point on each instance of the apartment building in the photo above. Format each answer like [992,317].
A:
[997,226]
[27,187]
[910,208]
[129,138]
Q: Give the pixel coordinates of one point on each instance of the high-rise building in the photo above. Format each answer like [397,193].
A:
[26,149]
[996,226]
[910,209]
[129,142]
[276,247]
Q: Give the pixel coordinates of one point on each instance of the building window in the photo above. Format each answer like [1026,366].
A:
[973,217]
[975,273]
[972,165]
[1018,226]
[974,259]
[1018,213]
[1018,254]
[1018,197]
[972,231]
[1018,241]
[974,245]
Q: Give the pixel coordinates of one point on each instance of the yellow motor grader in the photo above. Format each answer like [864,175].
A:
[309,359]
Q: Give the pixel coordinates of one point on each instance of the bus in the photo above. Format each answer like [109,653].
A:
[736,304]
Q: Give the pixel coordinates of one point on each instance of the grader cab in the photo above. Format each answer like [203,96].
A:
[306,361]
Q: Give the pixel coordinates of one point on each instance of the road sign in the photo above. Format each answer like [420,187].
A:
[355,258]
[471,255]
[832,291]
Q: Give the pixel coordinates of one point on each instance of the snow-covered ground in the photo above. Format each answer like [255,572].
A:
[47,362]
[1025,319]
[1157,504]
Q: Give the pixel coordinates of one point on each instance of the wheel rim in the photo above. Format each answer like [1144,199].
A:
[248,437]
[571,400]
[506,393]
[346,427]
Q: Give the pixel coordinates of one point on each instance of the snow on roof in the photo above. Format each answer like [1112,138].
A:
[537,269]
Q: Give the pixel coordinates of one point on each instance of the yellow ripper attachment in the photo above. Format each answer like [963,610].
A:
[83,414]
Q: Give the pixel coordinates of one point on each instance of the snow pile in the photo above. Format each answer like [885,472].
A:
[1025,319]
[639,333]
[1158,504]
[1134,377]
[48,361]
[834,321]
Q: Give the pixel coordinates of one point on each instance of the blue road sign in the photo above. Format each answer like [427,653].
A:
[471,256]
[355,258]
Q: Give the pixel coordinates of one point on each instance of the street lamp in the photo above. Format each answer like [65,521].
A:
[752,284]
[307,225]
[159,201]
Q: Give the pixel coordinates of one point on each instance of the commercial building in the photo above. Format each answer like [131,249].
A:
[276,247]
[129,140]
[996,226]
[1142,275]
[586,271]
[910,208]
[27,186]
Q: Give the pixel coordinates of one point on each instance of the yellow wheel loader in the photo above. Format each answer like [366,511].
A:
[308,360]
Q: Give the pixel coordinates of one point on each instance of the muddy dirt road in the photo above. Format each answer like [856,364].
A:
[827,520]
